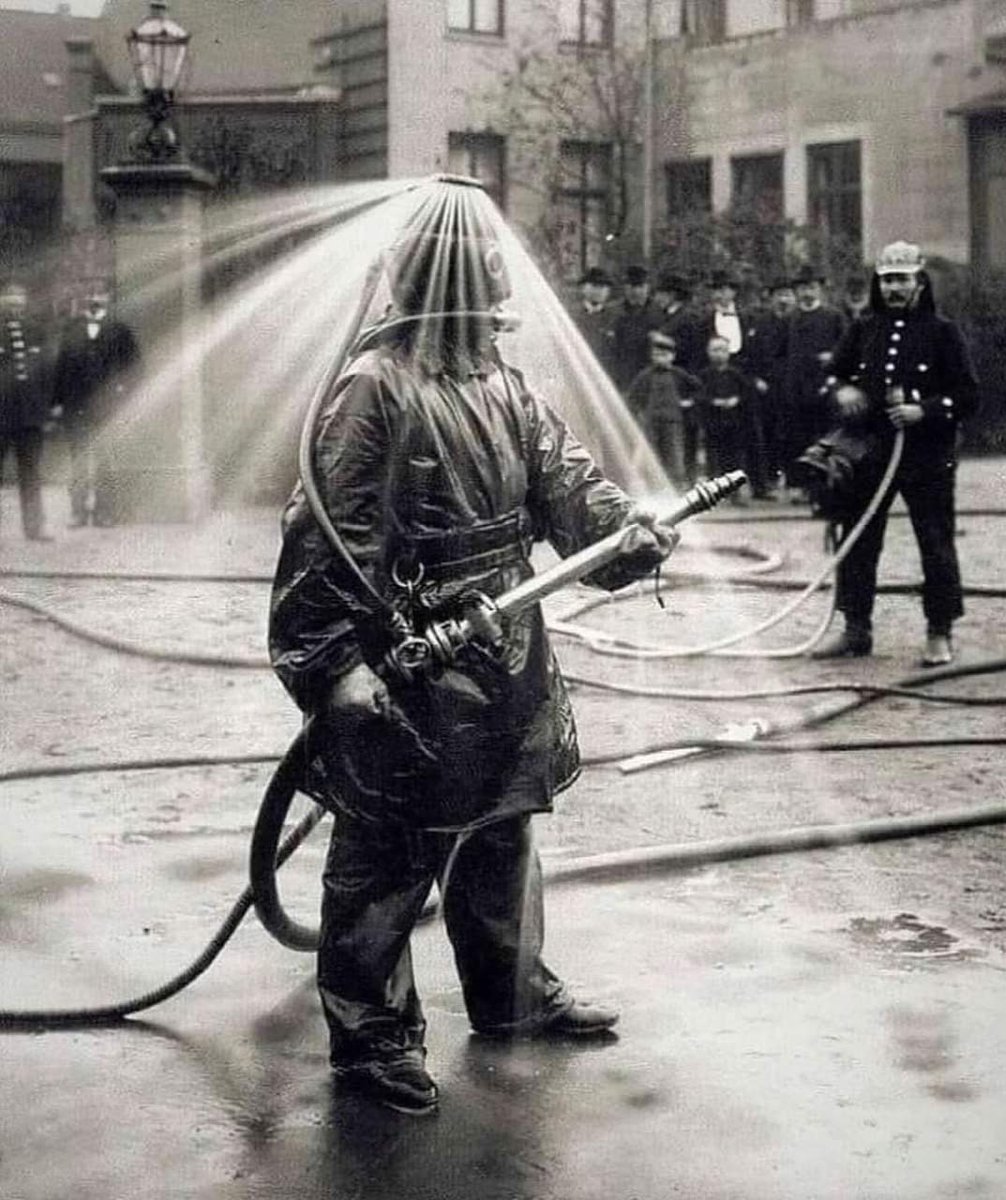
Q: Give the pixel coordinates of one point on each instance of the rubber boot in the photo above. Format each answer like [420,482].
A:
[854,641]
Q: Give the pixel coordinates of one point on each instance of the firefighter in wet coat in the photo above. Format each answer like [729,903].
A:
[439,469]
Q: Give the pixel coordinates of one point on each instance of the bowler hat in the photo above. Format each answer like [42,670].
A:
[677,285]
[720,279]
[598,276]
[808,274]
[636,275]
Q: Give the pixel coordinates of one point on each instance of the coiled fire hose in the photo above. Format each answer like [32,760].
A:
[267,854]
[604,644]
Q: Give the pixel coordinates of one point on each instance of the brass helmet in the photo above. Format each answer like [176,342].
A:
[900,258]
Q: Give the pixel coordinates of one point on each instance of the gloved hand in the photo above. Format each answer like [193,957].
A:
[851,400]
[905,414]
[649,535]
[362,695]
[361,691]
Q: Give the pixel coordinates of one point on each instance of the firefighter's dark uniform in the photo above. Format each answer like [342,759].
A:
[25,407]
[924,354]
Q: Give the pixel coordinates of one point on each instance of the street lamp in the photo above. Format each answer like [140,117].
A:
[157,49]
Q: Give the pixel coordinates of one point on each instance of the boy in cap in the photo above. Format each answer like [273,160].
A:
[662,398]
[901,366]
[726,411]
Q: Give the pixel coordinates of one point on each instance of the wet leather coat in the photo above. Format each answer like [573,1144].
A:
[459,475]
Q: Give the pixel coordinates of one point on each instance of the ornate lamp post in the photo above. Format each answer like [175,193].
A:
[158,234]
[158,48]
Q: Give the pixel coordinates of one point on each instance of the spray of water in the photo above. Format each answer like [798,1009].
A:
[263,344]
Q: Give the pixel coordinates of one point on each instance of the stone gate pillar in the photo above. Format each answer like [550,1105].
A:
[158,238]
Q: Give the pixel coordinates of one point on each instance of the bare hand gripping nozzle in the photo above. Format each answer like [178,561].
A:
[483,620]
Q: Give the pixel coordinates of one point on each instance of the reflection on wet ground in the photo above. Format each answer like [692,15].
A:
[764,1048]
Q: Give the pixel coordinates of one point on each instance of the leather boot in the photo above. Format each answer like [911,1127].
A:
[578,1019]
[938,650]
[854,641]
[581,1020]
[395,1078]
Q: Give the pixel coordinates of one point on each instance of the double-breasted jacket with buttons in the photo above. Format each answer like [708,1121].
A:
[24,382]
[925,355]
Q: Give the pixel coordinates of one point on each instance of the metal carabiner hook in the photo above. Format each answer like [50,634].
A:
[407,585]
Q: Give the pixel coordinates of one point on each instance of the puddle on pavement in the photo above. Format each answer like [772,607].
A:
[910,939]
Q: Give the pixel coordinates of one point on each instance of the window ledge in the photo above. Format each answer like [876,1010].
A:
[473,36]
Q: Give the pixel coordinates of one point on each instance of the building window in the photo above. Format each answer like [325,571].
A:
[800,12]
[476,16]
[757,187]
[482,155]
[689,186]
[586,22]
[835,189]
[583,199]
[704,21]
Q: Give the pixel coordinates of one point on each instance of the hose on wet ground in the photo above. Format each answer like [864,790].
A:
[722,646]
[56,1018]
[268,854]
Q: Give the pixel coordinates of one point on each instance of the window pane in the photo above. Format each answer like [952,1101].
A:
[757,186]
[834,199]
[704,20]
[459,14]
[689,187]
[569,20]
[482,155]
[595,22]
[487,16]
[583,202]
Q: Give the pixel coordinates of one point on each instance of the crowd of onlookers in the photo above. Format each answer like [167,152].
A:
[74,376]
[715,384]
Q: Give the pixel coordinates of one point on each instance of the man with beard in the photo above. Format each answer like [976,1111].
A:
[903,367]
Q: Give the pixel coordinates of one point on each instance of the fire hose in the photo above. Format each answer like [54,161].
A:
[267,859]
[432,648]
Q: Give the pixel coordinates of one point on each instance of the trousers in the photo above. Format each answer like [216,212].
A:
[375,883]
[92,471]
[929,498]
[27,446]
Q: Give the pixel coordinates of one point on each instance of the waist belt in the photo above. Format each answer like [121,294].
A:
[479,547]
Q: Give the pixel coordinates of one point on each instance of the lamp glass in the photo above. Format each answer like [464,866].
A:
[157,49]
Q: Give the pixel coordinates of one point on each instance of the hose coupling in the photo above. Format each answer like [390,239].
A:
[430,651]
